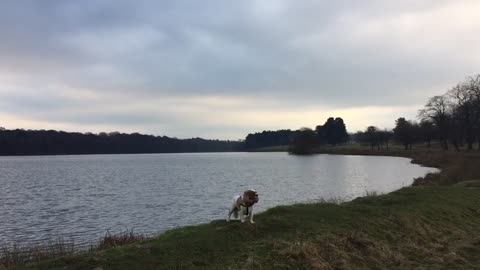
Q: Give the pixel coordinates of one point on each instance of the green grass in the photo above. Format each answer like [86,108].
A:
[469,184]
[434,227]
[431,226]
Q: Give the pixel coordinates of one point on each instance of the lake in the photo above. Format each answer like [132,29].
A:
[81,197]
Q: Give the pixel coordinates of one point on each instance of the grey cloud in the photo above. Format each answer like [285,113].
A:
[31,102]
[299,53]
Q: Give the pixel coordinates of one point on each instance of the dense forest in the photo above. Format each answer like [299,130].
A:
[269,138]
[50,142]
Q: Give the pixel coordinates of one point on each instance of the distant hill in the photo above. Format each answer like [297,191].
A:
[51,142]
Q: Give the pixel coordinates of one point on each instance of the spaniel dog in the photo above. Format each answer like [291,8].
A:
[243,204]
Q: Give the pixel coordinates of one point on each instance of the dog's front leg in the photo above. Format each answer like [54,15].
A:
[242,218]
[251,215]
[230,212]
[242,214]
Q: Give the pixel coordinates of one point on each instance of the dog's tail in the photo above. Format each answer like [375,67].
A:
[235,213]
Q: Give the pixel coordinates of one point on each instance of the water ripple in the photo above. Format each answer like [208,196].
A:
[81,197]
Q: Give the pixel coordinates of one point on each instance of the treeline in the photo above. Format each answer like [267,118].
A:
[374,137]
[51,142]
[456,114]
[333,132]
[269,138]
[406,133]
[451,119]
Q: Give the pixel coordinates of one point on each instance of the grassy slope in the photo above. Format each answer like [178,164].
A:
[424,227]
[429,226]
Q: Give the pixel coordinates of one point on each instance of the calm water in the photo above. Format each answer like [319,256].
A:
[82,197]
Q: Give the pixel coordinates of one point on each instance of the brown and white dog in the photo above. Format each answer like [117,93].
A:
[243,204]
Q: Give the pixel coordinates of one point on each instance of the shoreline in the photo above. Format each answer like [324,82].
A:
[86,245]
[438,160]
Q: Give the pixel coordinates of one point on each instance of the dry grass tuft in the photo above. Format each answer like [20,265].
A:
[15,255]
[371,193]
[118,239]
[332,200]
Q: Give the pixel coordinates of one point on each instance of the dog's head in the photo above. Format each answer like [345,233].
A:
[250,197]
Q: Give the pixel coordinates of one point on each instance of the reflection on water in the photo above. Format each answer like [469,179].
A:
[84,196]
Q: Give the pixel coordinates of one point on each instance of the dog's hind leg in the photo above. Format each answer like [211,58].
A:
[251,215]
[230,212]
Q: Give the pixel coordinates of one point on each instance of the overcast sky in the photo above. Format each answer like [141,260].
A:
[223,69]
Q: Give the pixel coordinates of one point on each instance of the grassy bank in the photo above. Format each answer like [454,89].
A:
[431,226]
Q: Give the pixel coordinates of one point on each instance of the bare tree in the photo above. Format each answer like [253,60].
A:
[438,110]
[405,132]
[474,89]
[372,136]
[463,113]
[427,132]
